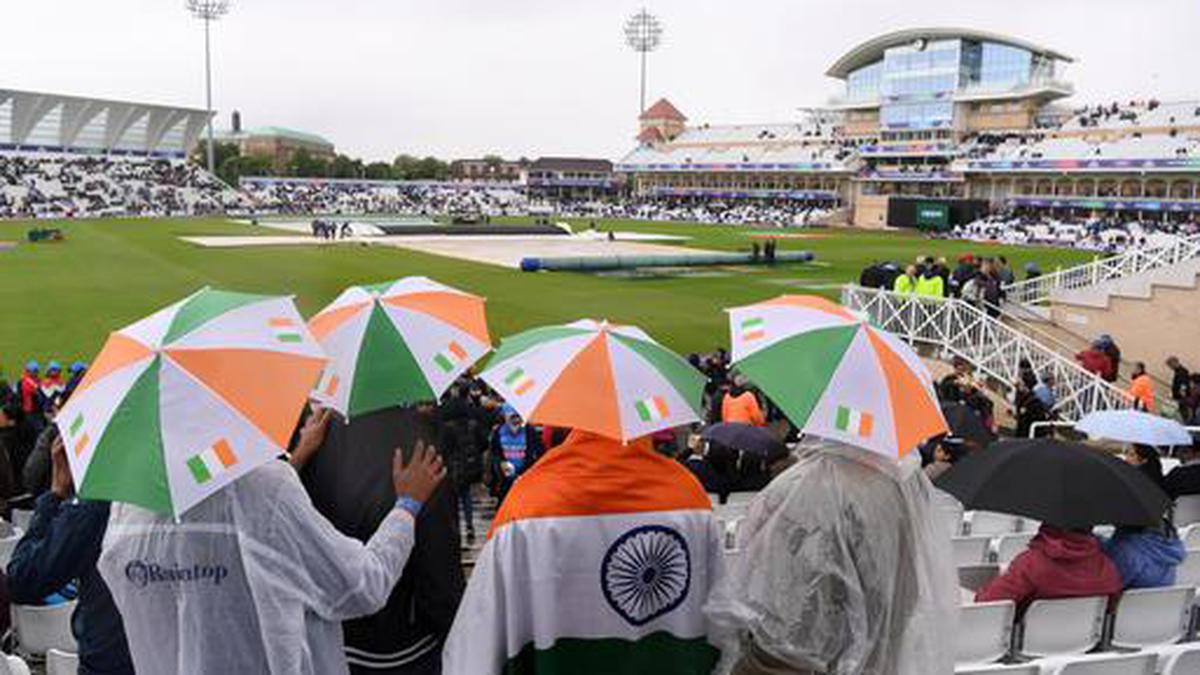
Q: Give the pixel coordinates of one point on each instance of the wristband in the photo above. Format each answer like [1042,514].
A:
[409,504]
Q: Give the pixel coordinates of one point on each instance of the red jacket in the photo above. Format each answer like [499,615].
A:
[30,384]
[1058,564]
[1095,361]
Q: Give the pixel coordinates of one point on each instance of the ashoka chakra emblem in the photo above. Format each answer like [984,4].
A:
[646,573]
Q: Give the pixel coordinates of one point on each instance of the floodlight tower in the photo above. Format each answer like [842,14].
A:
[208,11]
[643,33]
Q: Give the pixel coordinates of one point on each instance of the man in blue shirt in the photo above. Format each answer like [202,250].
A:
[61,546]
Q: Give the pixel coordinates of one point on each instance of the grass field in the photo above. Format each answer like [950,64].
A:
[60,300]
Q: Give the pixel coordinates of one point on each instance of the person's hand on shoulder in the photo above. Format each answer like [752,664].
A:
[418,478]
[312,435]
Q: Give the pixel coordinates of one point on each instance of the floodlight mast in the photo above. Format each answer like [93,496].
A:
[643,33]
[208,11]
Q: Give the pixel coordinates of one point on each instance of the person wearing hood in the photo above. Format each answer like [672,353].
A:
[1096,361]
[1058,563]
[930,284]
[514,447]
[52,384]
[31,384]
[844,569]
[1146,557]
[77,371]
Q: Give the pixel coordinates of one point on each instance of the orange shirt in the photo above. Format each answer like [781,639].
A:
[742,409]
[1142,391]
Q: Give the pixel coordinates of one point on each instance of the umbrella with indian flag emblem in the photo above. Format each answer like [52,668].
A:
[836,376]
[187,400]
[609,379]
[397,343]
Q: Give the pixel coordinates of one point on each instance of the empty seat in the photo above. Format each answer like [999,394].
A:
[984,630]
[40,629]
[1190,536]
[1022,669]
[1109,664]
[1010,546]
[1149,617]
[61,663]
[21,518]
[971,550]
[975,577]
[1188,571]
[1187,510]
[1184,662]
[950,510]
[992,523]
[1063,627]
[1028,525]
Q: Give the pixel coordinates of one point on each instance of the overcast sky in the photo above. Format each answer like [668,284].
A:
[461,78]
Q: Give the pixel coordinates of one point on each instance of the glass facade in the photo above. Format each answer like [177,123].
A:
[915,83]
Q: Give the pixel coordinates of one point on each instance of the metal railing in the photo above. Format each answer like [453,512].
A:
[1127,264]
[996,350]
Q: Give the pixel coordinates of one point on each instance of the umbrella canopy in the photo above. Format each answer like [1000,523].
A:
[612,380]
[1066,484]
[397,343]
[1134,426]
[187,400]
[747,438]
[834,375]
[966,424]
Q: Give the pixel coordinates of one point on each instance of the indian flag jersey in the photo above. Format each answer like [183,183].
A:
[599,561]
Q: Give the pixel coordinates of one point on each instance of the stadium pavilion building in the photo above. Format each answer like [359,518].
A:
[936,126]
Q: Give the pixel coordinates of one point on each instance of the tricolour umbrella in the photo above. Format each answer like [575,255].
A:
[1066,484]
[397,343]
[836,376]
[612,380]
[1134,426]
[185,401]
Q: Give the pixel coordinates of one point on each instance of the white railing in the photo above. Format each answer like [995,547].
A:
[1127,264]
[996,350]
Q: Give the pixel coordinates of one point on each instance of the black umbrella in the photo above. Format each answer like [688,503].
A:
[747,438]
[966,424]
[1070,485]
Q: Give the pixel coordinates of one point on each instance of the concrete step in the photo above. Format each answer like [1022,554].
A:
[1138,287]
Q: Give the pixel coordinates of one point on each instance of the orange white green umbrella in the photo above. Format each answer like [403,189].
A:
[397,343]
[612,380]
[834,375]
[187,400]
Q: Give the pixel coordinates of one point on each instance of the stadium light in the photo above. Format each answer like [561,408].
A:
[643,33]
[208,11]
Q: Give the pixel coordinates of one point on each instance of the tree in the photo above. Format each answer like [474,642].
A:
[304,165]
[493,161]
[379,171]
[346,167]
[234,168]
[405,167]
[221,152]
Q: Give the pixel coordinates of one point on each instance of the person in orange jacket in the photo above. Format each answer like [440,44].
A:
[741,405]
[1141,388]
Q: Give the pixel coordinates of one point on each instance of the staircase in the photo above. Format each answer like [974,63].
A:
[957,328]
[1133,272]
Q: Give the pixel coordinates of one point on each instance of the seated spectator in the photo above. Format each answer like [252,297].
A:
[1057,564]
[741,405]
[1141,388]
[1146,557]
[948,451]
[1044,390]
[61,546]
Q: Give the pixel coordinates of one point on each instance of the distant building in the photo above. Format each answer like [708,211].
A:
[278,143]
[572,177]
[487,169]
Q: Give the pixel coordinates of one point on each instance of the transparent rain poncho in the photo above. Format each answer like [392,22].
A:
[251,580]
[844,571]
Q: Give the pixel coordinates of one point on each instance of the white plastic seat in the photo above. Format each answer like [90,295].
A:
[1188,571]
[40,629]
[1183,662]
[1028,525]
[1063,627]
[992,523]
[11,664]
[21,518]
[1190,536]
[1187,510]
[8,545]
[984,632]
[1109,664]
[970,550]
[1149,617]
[1021,669]
[1010,546]
[61,663]
[950,510]
[975,577]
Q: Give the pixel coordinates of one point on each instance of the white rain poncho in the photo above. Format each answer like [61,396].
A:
[252,580]
[844,571]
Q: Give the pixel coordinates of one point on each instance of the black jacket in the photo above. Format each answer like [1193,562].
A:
[350,482]
[1179,383]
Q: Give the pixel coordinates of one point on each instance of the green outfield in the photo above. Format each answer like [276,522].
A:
[61,299]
